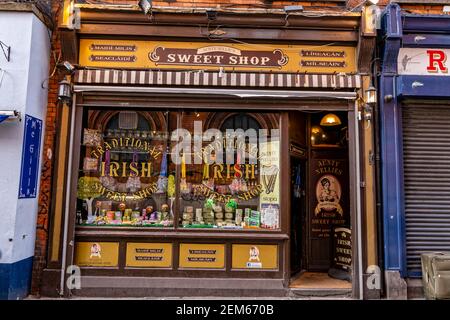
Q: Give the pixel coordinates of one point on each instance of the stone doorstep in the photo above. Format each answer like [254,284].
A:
[322,292]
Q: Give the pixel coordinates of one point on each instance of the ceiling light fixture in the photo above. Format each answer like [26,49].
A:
[330,119]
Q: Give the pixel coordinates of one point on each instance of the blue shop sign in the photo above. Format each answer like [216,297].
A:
[30,157]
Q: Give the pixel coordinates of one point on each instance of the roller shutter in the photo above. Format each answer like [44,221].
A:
[426,156]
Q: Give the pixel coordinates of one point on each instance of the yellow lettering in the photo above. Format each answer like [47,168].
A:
[146,168]
[249,171]
[218,171]
[114,166]
[114,143]
[134,169]
[124,169]
[100,150]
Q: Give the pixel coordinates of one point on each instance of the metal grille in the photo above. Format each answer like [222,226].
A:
[426,157]
[128,120]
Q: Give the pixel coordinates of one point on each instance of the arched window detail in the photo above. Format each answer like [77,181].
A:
[240,121]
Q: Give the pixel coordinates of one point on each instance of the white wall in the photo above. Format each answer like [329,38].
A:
[21,89]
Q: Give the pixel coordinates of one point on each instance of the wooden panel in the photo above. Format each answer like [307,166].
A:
[253,256]
[297,128]
[202,256]
[329,205]
[97,254]
[149,255]
[196,32]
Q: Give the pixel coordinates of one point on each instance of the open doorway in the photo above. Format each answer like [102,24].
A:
[321,251]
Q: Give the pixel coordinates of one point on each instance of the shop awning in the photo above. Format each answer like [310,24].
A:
[238,93]
[214,79]
[9,115]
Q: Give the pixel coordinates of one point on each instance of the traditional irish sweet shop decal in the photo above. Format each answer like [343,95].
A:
[149,255]
[209,56]
[203,256]
[254,256]
[422,61]
[342,249]
[341,266]
[329,201]
[96,254]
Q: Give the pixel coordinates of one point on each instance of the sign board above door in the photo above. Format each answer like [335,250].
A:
[213,56]
[422,61]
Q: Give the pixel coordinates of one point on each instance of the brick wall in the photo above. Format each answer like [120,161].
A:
[40,251]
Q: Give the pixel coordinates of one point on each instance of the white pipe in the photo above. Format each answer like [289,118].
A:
[358,204]
[67,205]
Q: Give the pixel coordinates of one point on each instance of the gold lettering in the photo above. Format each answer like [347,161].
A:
[148,169]
[228,171]
[218,171]
[134,169]
[124,169]
[250,169]
[114,143]
[139,144]
[100,150]
[107,146]
[114,166]
[206,171]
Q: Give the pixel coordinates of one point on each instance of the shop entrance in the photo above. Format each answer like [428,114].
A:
[321,249]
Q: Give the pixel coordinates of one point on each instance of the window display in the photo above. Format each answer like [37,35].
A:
[125,177]
[179,169]
[230,171]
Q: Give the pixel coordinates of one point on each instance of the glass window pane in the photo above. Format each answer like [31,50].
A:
[230,170]
[126,177]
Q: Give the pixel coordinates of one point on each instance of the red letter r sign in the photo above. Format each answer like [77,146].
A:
[436,60]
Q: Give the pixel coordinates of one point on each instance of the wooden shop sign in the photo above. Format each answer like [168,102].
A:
[221,56]
[254,256]
[96,254]
[203,256]
[422,61]
[159,55]
[149,255]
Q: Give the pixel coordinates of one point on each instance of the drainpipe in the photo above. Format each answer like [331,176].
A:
[358,204]
[68,190]
[378,192]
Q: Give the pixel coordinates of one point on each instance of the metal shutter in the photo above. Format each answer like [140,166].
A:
[426,157]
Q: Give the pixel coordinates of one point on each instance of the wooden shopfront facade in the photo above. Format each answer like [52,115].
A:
[142,220]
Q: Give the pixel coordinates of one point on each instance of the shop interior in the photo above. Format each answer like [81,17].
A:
[320,235]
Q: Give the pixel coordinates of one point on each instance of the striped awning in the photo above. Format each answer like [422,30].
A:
[211,78]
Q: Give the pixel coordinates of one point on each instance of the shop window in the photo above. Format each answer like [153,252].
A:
[213,170]
[230,171]
[125,176]
[329,130]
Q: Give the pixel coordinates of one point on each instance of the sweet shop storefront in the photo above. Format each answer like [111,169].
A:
[191,166]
